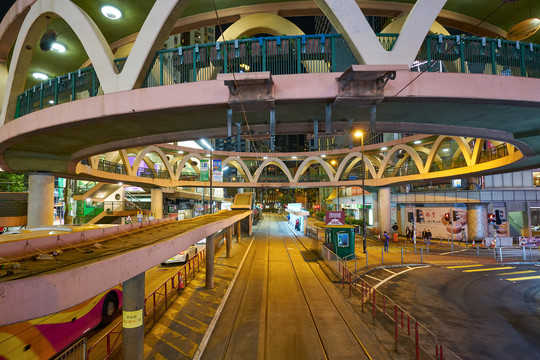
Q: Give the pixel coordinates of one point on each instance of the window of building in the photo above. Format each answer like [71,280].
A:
[536,178]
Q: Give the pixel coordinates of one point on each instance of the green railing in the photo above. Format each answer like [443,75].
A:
[292,55]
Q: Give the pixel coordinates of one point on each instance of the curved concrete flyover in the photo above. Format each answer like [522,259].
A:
[473,105]
[419,160]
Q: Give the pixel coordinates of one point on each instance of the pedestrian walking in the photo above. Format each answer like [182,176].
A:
[428,236]
[408,233]
[386,240]
[424,235]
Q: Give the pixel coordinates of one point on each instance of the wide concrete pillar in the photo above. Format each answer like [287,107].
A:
[157,203]
[375,208]
[210,255]
[228,235]
[40,199]
[477,222]
[385,221]
[133,318]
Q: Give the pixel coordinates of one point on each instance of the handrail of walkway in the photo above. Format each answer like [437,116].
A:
[292,55]
[375,302]
[485,155]
[113,338]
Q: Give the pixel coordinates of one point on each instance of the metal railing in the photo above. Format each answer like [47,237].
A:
[292,55]
[161,298]
[76,351]
[385,312]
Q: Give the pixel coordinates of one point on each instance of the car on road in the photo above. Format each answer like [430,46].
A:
[183,256]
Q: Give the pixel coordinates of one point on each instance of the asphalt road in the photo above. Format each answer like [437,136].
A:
[479,314]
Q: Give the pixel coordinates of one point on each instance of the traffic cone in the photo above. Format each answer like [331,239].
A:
[181,283]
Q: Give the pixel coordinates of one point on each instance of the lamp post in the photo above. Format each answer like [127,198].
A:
[360,134]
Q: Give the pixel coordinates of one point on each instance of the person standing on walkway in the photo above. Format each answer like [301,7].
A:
[386,240]
[424,235]
[408,233]
[428,236]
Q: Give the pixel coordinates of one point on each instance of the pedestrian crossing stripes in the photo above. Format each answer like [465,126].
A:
[519,272]
[524,278]
[490,269]
[463,266]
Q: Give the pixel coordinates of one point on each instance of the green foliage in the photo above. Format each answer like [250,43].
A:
[13,182]
[319,215]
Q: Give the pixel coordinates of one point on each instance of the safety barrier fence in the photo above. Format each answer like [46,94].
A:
[76,351]
[156,302]
[291,55]
[384,311]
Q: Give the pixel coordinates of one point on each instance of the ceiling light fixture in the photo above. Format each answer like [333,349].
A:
[58,47]
[417,142]
[111,12]
[384,148]
[40,76]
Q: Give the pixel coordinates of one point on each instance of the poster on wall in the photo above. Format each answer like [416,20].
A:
[216,170]
[434,220]
[204,170]
[501,225]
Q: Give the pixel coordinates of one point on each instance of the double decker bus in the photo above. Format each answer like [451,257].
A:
[44,337]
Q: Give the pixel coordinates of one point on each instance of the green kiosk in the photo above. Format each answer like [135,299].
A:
[341,238]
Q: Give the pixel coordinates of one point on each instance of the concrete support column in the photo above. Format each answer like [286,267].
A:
[385,210]
[210,255]
[228,235]
[40,199]
[375,208]
[157,203]
[477,223]
[238,231]
[133,318]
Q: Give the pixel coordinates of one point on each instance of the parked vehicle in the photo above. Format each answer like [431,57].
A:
[183,256]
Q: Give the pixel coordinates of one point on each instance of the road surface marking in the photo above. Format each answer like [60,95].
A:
[456,251]
[371,277]
[490,269]
[391,272]
[463,266]
[404,271]
[519,272]
[524,278]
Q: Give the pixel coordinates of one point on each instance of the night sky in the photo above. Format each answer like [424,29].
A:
[4,6]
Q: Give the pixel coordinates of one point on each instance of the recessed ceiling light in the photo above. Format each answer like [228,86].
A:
[111,12]
[417,141]
[445,149]
[384,148]
[265,157]
[208,155]
[294,157]
[180,152]
[58,47]
[40,76]
[323,155]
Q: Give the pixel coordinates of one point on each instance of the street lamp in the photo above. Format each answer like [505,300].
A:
[360,134]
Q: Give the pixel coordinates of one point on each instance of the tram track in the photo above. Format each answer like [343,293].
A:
[278,310]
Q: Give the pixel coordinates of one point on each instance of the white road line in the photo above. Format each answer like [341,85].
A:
[446,253]
[371,277]
[391,272]
[404,271]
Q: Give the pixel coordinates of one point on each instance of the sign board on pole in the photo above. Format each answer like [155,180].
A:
[216,170]
[151,217]
[139,214]
[334,218]
[204,170]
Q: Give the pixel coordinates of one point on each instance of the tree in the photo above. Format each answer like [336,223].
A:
[13,182]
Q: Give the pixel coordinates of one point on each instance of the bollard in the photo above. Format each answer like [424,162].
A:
[395,327]
[402,255]
[524,254]
[441,353]
[382,256]
[452,246]
[427,249]
[421,255]
[495,254]
[478,250]
[500,251]
[366,258]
